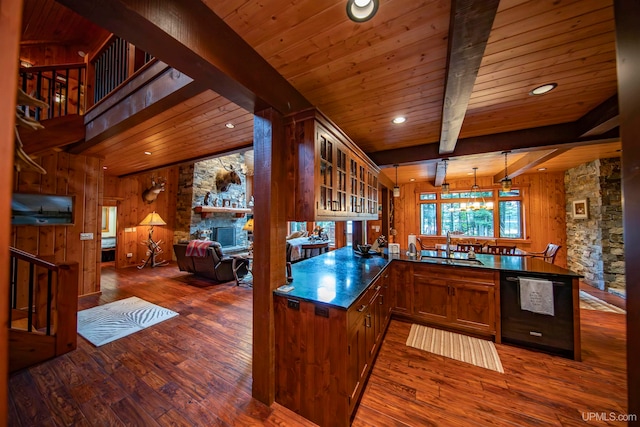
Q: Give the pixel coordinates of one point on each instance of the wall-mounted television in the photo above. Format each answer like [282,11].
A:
[42,209]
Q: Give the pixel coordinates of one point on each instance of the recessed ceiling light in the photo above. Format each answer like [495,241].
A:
[230,125]
[541,90]
[104,167]
[82,53]
[148,153]
[361,10]
[469,173]
[399,119]
[542,169]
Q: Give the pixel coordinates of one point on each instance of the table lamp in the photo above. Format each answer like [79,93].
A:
[248,226]
[154,248]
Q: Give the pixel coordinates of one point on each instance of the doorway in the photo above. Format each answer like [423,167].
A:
[109,215]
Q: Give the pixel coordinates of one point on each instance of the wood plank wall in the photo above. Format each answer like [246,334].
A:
[81,177]
[126,194]
[545,216]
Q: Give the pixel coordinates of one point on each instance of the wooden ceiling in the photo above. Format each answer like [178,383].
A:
[362,75]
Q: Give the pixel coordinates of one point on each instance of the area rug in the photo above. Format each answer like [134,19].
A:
[466,349]
[105,323]
[589,302]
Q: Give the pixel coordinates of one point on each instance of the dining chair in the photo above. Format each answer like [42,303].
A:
[501,250]
[466,247]
[549,254]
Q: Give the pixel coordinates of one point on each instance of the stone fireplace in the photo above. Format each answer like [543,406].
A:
[195,182]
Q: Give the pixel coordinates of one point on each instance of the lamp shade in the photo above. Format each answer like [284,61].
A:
[152,219]
[249,225]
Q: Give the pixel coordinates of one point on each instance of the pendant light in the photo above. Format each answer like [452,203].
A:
[506,181]
[475,204]
[396,189]
[445,184]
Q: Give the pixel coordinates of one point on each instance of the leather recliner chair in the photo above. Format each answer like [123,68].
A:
[214,265]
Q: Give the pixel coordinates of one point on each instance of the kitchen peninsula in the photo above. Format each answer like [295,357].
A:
[330,326]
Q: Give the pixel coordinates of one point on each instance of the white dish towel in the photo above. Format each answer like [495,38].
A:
[536,295]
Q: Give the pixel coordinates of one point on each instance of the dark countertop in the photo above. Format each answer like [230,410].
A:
[337,278]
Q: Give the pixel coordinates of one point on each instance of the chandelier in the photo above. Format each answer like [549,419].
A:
[476,202]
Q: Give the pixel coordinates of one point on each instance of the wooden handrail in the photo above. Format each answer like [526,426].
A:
[26,256]
[40,68]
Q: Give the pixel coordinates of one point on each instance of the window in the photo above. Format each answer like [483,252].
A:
[329,228]
[297,226]
[477,223]
[495,213]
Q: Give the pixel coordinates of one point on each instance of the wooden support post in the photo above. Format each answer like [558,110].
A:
[10,30]
[627,13]
[269,265]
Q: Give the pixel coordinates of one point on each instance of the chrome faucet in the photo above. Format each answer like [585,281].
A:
[448,247]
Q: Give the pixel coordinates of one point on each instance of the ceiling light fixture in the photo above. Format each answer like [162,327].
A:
[445,184]
[148,153]
[398,120]
[542,169]
[506,181]
[230,125]
[474,204]
[541,90]
[396,189]
[362,10]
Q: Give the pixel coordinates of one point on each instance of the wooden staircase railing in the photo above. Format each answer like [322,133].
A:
[43,309]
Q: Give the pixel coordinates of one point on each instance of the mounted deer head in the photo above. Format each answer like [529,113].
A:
[227,177]
[151,194]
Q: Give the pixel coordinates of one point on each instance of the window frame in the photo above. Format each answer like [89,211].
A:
[523,198]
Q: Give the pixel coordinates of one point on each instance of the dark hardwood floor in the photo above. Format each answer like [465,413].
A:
[195,370]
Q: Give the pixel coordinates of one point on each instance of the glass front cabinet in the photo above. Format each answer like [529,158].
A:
[344,181]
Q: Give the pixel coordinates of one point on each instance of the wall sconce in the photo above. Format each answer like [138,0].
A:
[445,184]
[361,10]
[396,189]
[506,181]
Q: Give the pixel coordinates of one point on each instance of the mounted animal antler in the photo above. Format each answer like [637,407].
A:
[151,194]
[22,159]
[227,177]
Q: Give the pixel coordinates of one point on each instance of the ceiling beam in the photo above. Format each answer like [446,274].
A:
[601,119]
[469,29]
[191,38]
[440,174]
[529,161]
[552,136]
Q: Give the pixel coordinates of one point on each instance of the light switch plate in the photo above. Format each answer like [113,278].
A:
[86,236]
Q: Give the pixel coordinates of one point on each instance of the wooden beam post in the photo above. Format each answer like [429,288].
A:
[627,14]
[10,30]
[269,262]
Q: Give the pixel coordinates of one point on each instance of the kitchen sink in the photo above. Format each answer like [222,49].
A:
[450,261]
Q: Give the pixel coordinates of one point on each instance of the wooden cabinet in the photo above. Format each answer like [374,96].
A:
[401,277]
[324,354]
[333,179]
[457,297]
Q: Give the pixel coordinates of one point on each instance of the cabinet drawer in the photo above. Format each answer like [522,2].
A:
[361,306]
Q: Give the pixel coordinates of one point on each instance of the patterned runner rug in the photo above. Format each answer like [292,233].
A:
[105,323]
[589,302]
[478,352]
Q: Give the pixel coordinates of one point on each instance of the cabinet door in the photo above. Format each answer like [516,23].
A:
[340,203]
[431,298]
[326,171]
[385,299]
[473,305]
[358,357]
[402,287]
